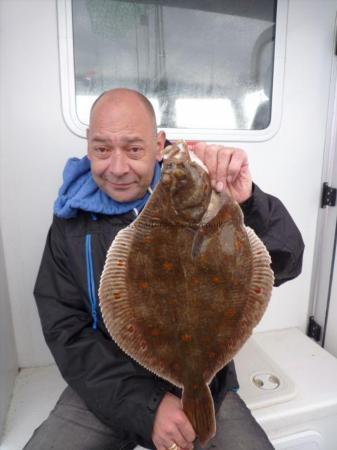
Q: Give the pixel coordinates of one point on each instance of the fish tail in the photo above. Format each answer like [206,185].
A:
[199,407]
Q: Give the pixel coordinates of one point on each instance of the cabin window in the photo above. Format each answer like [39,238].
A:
[207,67]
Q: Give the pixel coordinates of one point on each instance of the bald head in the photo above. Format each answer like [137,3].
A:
[120,96]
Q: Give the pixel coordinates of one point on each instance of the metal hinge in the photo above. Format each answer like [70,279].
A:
[314,330]
[328,196]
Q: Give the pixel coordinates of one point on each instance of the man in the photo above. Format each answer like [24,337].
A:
[112,402]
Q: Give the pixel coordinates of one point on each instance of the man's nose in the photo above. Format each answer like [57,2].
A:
[118,164]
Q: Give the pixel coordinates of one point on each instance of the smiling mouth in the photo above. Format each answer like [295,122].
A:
[120,186]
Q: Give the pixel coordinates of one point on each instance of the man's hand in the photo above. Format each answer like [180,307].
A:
[171,425]
[228,169]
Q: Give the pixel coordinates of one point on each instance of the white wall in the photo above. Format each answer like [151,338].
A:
[292,163]
[8,357]
[36,144]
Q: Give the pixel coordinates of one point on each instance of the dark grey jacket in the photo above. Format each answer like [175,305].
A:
[120,392]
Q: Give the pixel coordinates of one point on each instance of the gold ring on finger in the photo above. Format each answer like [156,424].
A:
[173,447]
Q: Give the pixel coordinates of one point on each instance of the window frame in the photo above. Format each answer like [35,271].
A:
[68,92]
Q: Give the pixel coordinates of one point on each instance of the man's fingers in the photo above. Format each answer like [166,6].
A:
[186,430]
[182,442]
[224,156]
[179,442]
[230,163]
[228,168]
[211,160]
[171,425]
[184,434]
[199,149]
[223,163]
[237,161]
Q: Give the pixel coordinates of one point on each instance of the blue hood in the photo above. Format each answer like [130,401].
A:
[80,192]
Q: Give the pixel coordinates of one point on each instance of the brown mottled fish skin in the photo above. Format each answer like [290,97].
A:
[180,294]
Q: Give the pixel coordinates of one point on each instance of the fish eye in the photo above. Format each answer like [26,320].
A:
[169,165]
[180,174]
[182,181]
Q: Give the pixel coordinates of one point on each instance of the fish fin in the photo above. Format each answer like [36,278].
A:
[221,208]
[199,408]
[112,283]
[116,310]
[262,279]
[259,293]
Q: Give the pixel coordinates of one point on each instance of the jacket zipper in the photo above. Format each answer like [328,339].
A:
[91,281]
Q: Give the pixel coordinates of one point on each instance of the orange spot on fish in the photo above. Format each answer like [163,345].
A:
[120,263]
[195,387]
[155,332]
[195,280]
[186,338]
[117,295]
[130,328]
[216,280]
[143,285]
[230,312]
[258,290]
[161,364]
[238,245]
[147,240]
[167,265]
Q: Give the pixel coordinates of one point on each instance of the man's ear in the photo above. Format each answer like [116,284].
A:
[161,138]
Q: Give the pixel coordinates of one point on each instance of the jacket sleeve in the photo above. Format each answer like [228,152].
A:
[121,393]
[270,220]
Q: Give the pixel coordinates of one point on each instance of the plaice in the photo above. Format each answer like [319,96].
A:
[185,284]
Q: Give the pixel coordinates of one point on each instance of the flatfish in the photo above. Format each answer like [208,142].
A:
[185,284]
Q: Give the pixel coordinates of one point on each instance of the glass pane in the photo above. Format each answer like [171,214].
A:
[204,65]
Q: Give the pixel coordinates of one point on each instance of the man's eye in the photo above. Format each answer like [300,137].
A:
[135,151]
[101,152]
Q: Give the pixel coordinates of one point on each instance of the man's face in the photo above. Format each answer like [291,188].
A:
[123,148]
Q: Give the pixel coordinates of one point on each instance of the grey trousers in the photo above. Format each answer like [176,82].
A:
[71,426]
